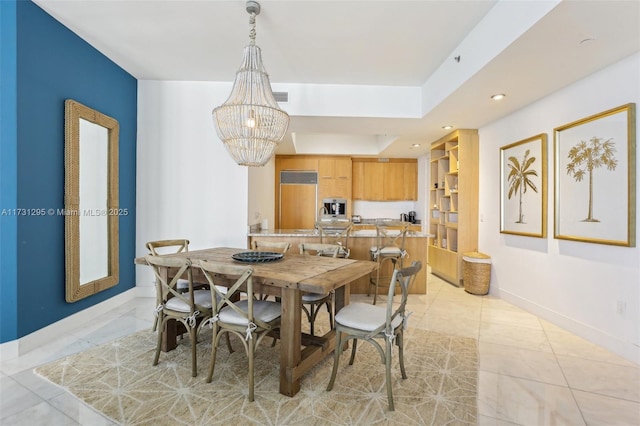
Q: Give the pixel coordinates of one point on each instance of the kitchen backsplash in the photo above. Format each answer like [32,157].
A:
[389,209]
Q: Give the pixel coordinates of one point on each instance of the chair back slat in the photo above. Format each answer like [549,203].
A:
[158,248]
[405,278]
[275,246]
[319,249]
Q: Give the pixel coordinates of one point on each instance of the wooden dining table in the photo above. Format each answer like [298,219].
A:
[288,278]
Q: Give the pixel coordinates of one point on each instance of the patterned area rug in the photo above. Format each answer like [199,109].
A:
[118,380]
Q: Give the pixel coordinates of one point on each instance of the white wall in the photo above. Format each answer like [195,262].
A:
[187,184]
[262,194]
[572,284]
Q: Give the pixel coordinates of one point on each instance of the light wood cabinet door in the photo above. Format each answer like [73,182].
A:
[326,168]
[373,181]
[292,163]
[343,168]
[358,180]
[393,181]
[410,187]
[298,207]
[334,178]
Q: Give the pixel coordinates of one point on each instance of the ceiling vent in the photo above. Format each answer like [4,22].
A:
[281,97]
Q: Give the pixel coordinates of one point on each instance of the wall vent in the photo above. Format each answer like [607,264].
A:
[281,97]
[298,177]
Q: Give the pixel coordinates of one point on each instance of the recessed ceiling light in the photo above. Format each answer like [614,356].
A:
[415,145]
[447,127]
[498,96]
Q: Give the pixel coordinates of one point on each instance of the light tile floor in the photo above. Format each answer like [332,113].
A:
[531,372]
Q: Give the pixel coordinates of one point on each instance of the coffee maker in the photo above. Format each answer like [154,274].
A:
[334,208]
[412,216]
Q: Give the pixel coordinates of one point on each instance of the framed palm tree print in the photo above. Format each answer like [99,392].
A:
[523,187]
[595,178]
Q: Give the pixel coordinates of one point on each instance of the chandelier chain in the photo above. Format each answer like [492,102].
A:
[252,28]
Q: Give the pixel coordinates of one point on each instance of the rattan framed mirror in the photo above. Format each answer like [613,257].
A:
[91,201]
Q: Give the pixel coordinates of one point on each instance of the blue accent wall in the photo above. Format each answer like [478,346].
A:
[53,64]
[8,171]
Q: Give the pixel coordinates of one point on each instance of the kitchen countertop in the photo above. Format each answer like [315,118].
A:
[366,233]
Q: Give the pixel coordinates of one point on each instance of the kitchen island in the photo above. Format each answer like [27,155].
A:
[361,238]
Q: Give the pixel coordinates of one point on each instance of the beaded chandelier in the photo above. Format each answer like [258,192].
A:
[250,123]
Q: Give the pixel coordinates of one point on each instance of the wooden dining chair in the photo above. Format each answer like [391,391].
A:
[312,302]
[369,323]
[389,247]
[339,237]
[189,308]
[164,247]
[248,318]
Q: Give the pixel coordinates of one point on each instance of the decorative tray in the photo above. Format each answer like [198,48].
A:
[257,256]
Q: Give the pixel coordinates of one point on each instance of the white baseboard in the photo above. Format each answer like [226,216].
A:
[16,348]
[627,350]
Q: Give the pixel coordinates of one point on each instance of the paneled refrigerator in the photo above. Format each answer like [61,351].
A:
[298,199]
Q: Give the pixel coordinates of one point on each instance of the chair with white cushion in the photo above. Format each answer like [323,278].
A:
[249,319]
[311,302]
[336,236]
[189,308]
[164,247]
[369,322]
[389,247]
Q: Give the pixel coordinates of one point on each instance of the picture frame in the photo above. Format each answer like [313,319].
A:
[595,178]
[523,187]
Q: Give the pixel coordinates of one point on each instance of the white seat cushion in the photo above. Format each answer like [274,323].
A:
[364,316]
[263,310]
[312,297]
[200,297]
[387,251]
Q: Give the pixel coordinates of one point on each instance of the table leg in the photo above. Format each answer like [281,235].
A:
[342,296]
[290,341]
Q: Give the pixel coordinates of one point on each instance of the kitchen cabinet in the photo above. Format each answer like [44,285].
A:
[334,179]
[385,179]
[296,206]
[453,203]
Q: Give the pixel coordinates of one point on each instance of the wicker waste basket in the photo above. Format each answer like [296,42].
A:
[476,272]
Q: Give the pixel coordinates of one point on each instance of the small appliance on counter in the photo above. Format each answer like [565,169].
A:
[356,218]
[408,217]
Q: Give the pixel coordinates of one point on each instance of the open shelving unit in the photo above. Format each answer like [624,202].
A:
[453,202]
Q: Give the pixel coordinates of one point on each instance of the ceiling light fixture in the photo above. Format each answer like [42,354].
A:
[250,123]
[498,96]
[415,145]
[447,127]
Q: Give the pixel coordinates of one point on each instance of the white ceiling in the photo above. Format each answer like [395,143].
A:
[513,47]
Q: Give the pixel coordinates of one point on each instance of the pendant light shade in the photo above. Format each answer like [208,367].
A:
[250,122]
